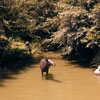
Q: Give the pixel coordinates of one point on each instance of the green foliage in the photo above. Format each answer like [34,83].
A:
[78,34]
[93,33]
[26,19]
[71,25]
[83,31]
[29,20]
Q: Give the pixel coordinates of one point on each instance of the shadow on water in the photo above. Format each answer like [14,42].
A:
[5,76]
[83,64]
[51,78]
[82,61]
[16,66]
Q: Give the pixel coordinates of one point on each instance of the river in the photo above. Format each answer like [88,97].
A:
[67,81]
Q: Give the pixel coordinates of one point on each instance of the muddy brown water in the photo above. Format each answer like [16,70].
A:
[67,81]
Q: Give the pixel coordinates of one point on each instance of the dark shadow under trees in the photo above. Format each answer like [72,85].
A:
[15,66]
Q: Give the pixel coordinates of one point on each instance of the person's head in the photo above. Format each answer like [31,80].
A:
[51,62]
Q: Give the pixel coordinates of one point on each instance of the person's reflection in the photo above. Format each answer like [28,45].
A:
[98,78]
